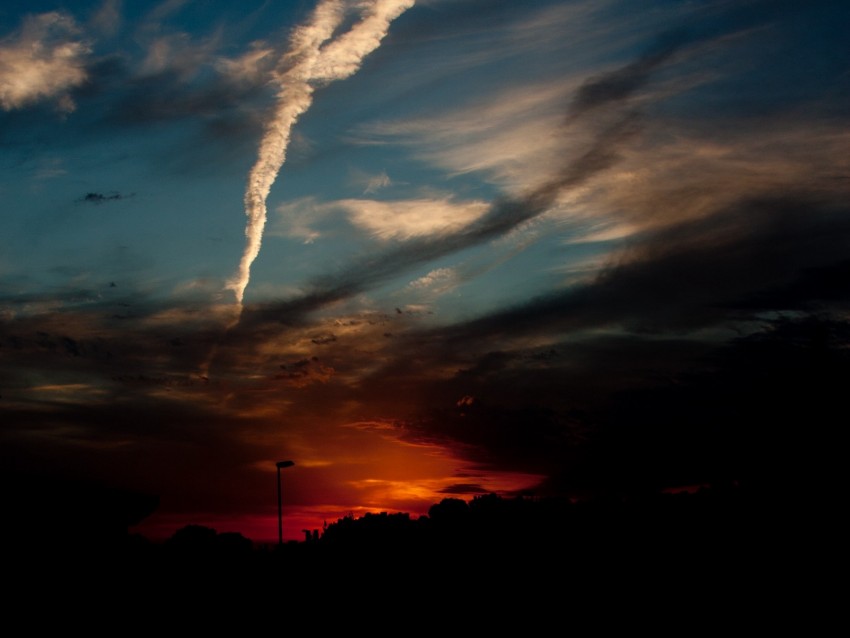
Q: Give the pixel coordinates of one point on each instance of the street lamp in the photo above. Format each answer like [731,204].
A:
[280,465]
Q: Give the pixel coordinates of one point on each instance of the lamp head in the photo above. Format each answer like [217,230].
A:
[282,464]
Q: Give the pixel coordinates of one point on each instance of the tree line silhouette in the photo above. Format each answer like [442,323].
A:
[722,540]
[700,524]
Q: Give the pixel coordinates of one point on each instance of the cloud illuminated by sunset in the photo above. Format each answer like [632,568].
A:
[555,247]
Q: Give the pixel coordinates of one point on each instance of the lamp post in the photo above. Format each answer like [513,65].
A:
[280,465]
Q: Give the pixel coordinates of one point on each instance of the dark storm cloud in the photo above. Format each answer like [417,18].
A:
[531,438]
[121,439]
[71,296]
[699,273]
[112,334]
[814,288]
[640,407]
[764,409]
[639,412]
[304,372]
[87,395]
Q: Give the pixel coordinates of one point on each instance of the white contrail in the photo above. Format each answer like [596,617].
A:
[306,65]
[294,98]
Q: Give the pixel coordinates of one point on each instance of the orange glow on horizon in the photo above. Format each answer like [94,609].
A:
[373,471]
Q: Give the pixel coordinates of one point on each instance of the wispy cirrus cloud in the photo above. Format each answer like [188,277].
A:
[177,53]
[377,182]
[437,281]
[398,220]
[507,135]
[43,60]
[406,219]
[251,67]
[107,20]
[300,219]
[164,10]
[695,172]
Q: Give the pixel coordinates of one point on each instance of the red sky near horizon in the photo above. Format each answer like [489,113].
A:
[385,475]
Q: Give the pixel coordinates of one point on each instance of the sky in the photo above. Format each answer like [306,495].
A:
[424,249]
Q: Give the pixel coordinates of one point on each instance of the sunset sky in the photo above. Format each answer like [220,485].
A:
[423,249]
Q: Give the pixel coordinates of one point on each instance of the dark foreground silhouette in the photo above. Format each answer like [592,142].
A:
[720,535]
[723,556]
